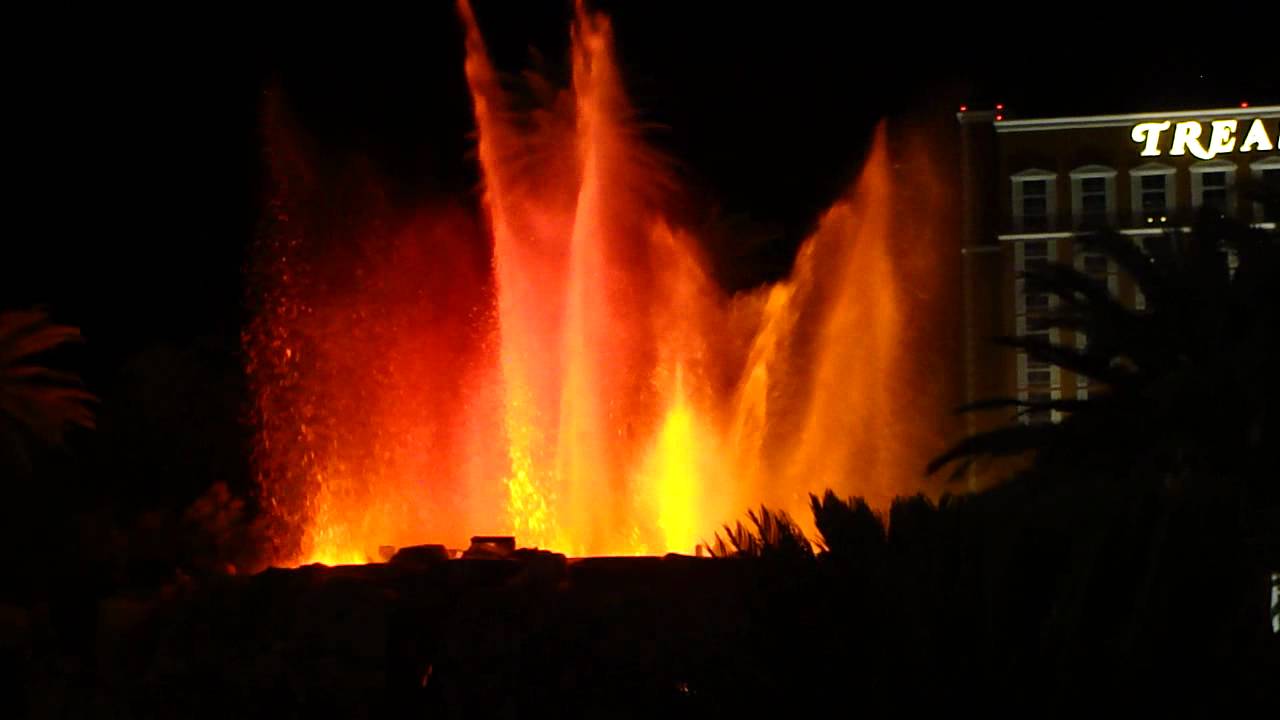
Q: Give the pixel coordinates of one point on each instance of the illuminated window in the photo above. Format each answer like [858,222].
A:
[1211,183]
[1036,378]
[1213,191]
[1039,415]
[1100,268]
[1151,190]
[1093,201]
[1104,270]
[1092,196]
[1039,377]
[1035,254]
[1037,302]
[1034,205]
[1267,172]
[1036,325]
[1153,199]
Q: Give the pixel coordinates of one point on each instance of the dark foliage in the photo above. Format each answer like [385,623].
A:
[847,527]
[37,402]
[1147,525]
[1187,386]
[772,534]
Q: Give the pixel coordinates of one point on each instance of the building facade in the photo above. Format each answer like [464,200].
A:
[1032,187]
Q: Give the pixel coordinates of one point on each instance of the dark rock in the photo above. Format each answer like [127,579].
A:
[485,546]
[542,566]
[419,556]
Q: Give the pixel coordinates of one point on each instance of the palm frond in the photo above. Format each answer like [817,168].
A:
[1147,275]
[1064,405]
[1188,379]
[1085,362]
[1069,284]
[846,527]
[25,333]
[1001,442]
[773,534]
[42,401]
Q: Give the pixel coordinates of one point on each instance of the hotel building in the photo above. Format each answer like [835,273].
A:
[1032,187]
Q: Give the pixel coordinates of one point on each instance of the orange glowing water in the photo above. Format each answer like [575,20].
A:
[585,386]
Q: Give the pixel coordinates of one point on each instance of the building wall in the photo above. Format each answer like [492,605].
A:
[996,153]
[1061,151]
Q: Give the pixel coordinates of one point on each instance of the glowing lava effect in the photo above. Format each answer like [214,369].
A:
[585,387]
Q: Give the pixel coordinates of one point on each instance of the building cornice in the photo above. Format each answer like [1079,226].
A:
[1096,121]
[1138,232]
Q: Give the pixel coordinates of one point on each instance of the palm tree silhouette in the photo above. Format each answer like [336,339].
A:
[774,535]
[1172,456]
[1187,385]
[37,401]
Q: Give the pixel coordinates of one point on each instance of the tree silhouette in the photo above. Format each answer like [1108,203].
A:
[37,402]
[1162,478]
[773,535]
[848,528]
[1187,386]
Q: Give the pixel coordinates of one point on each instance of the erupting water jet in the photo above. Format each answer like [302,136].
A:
[585,385]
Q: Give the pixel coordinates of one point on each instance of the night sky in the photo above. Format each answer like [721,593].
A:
[135,164]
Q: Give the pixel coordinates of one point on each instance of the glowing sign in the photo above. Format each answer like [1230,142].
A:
[1187,138]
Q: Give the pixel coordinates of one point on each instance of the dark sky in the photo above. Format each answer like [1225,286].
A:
[135,159]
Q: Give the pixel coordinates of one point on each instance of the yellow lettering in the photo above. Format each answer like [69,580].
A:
[1256,139]
[1223,137]
[1187,135]
[1149,135]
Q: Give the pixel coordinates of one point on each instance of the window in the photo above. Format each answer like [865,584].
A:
[1271,178]
[1039,377]
[1211,183]
[1213,191]
[1153,200]
[1092,195]
[1093,201]
[1037,325]
[1151,188]
[1035,205]
[1035,254]
[1033,200]
[1100,268]
[1037,302]
[1036,378]
[1039,415]
[1266,172]
[1082,381]
[1104,270]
